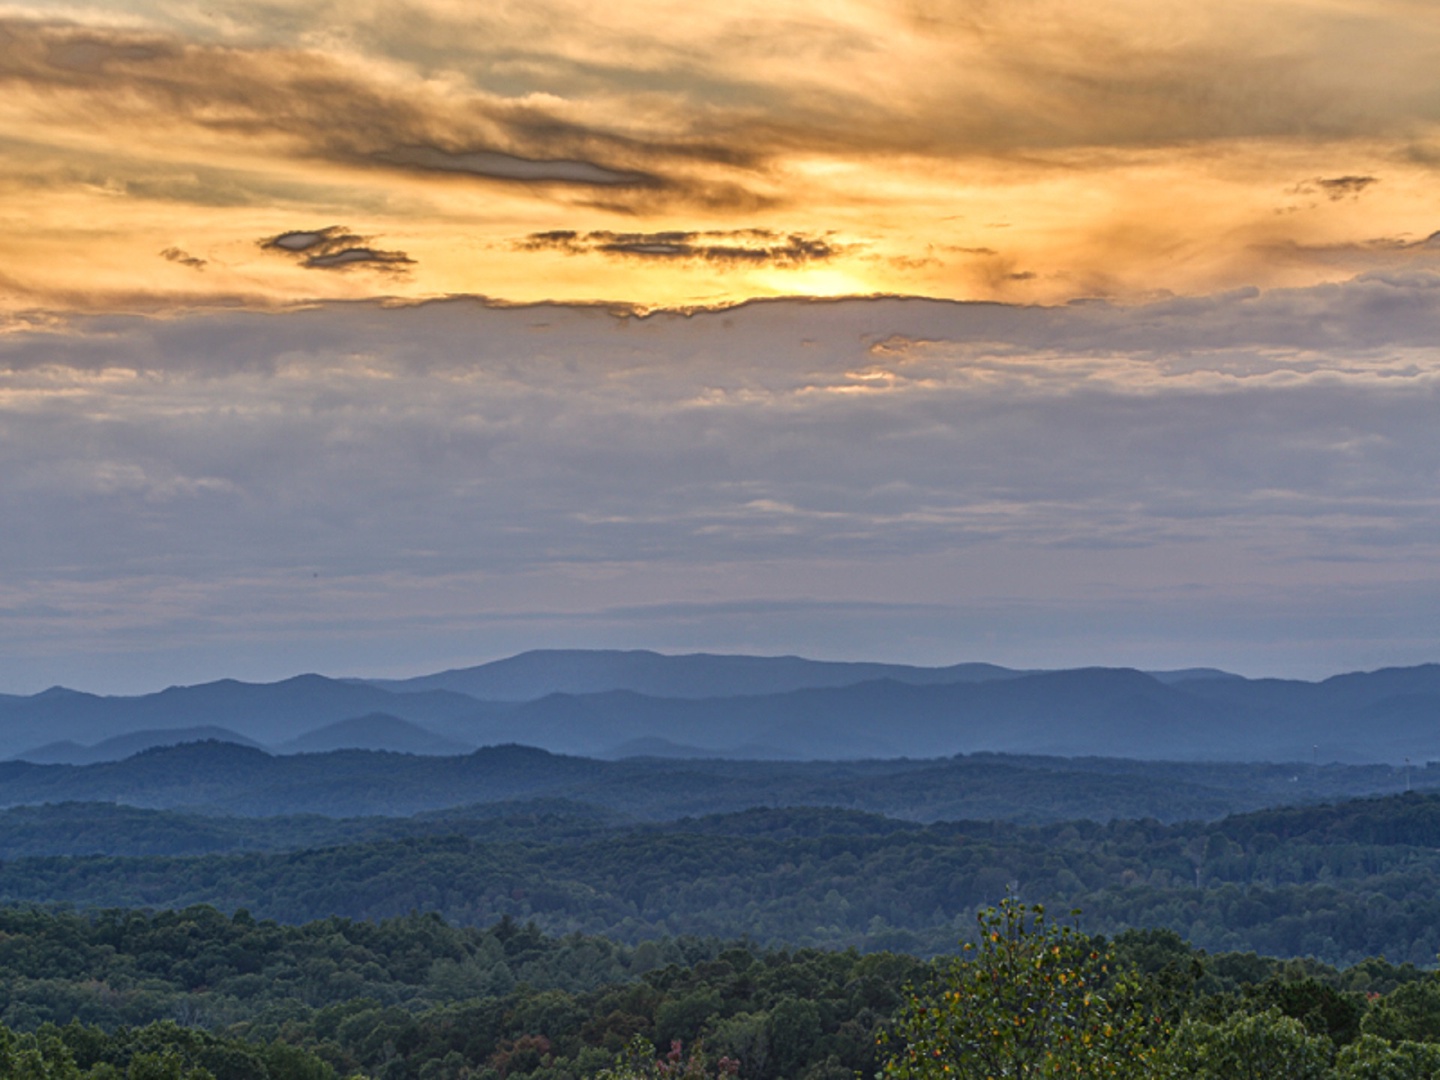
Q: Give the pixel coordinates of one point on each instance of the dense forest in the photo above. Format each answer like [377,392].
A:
[530,936]
[195,993]
[1340,882]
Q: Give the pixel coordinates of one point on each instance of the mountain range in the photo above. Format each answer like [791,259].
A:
[615,704]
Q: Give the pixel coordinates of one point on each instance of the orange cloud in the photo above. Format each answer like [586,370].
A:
[1033,150]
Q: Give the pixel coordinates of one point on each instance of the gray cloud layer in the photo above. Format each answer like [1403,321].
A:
[1247,478]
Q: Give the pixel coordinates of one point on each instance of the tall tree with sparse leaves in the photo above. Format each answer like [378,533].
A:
[1031,1000]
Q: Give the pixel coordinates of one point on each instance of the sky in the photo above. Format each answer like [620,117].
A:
[382,338]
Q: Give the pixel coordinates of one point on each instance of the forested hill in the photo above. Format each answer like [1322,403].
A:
[1337,882]
[224,778]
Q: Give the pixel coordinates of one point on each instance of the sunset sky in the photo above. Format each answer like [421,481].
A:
[375,338]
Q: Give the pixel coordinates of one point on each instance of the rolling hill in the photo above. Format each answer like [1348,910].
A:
[119,747]
[224,778]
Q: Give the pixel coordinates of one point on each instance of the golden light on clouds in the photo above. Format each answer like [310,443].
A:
[1028,151]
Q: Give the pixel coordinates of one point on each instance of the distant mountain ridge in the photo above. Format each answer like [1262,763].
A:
[531,675]
[377,731]
[1106,711]
[1187,714]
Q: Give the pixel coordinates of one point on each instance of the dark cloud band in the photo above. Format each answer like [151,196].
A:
[184,258]
[494,165]
[1336,188]
[335,248]
[752,246]
[329,109]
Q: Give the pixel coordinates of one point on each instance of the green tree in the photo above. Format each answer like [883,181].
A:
[638,1061]
[1372,1058]
[1411,1012]
[1033,999]
[28,1057]
[1323,1009]
[1255,1046]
